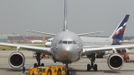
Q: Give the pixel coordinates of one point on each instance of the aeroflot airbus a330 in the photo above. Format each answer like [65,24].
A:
[67,48]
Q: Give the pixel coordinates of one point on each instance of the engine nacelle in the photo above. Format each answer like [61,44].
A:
[115,62]
[16,60]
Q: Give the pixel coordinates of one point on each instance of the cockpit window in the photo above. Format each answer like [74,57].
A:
[64,42]
[67,42]
[70,42]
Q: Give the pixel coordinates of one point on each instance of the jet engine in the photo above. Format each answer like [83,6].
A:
[115,62]
[16,60]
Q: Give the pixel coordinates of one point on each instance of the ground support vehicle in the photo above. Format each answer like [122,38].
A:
[47,70]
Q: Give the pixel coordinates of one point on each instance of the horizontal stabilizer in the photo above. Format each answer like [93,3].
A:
[33,31]
[88,34]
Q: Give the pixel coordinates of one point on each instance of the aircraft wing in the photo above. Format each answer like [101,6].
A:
[106,48]
[26,47]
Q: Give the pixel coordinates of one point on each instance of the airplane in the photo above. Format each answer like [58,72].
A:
[115,38]
[66,48]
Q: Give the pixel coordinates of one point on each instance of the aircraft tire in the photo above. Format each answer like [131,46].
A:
[95,67]
[35,65]
[88,67]
[42,64]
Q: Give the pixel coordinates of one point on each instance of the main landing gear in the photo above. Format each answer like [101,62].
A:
[92,65]
[38,58]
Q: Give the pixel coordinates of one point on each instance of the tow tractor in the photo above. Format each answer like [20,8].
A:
[47,70]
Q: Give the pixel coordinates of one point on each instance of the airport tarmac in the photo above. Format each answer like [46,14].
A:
[77,68]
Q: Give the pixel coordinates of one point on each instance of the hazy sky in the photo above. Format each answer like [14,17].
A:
[17,16]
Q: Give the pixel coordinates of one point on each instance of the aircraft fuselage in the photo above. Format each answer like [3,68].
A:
[66,47]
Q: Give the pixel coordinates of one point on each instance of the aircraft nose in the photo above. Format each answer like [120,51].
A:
[67,48]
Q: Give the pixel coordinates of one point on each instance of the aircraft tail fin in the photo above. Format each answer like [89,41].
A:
[65,16]
[118,33]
